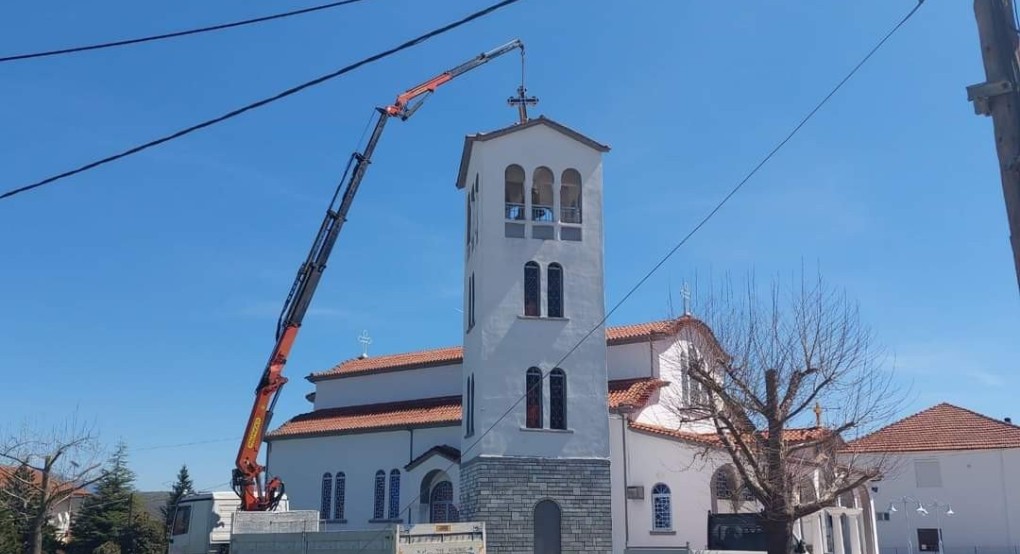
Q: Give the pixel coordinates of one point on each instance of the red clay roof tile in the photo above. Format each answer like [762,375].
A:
[941,427]
[425,412]
[624,334]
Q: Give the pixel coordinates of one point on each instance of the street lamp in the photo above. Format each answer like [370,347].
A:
[906,501]
[937,506]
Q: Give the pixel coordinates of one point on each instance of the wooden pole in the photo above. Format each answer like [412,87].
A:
[999,97]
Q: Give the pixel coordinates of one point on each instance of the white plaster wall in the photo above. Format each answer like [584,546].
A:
[301,462]
[393,386]
[631,361]
[983,487]
[503,343]
[653,460]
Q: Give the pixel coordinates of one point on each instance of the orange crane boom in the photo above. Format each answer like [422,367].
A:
[247,478]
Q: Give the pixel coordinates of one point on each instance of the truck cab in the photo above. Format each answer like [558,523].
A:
[202,522]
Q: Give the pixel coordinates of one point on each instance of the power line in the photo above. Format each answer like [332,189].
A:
[184,444]
[258,104]
[220,27]
[686,237]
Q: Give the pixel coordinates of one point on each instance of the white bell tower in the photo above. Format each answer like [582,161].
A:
[535,423]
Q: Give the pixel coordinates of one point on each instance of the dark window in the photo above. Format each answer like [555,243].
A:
[327,496]
[182,520]
[533,394]
[723,484]
[557,399]
[395,494]
[532,277]
[555,292]
[469,417]
[662,508]
[340,496]
[441,507]
[378,511]
[928,540]
[471,302]
[547,528]
[470,201]
[542,195]
[514,191]
[570,196]
[471,395]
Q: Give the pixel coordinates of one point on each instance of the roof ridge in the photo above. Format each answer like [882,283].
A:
[979,414]
[893,424]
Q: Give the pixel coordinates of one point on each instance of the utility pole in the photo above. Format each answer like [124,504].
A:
[999,97]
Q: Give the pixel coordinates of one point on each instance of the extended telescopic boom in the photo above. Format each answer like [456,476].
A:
[247,477]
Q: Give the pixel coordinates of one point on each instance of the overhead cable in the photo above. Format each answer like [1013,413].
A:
[176,34]
[258,104]
[701,223]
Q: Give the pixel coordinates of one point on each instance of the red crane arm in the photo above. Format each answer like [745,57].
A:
[248,473]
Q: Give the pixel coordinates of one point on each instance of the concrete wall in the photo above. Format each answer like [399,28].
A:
[983,487]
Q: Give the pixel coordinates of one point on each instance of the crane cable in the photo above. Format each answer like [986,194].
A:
[259,103]
[175,34]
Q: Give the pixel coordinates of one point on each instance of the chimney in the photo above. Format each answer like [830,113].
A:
[1009,420]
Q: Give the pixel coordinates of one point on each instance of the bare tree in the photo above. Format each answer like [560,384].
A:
[757,376]
[62,463]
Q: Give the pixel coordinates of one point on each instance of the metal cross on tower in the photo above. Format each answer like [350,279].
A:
[522,100]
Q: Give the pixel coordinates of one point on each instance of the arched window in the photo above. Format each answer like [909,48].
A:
[340,496]
[570,196]
[378,510]
[557,399]
[542,195]
[547,528]
[532,276]
[514,187]
[394,494]
[746,495]
[327,496]
[554,292]
[662,509]
[441,507]
[533,398]
[722,484]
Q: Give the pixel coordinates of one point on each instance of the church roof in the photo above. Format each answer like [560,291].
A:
[540,120]
[941,427]
[625,334]
[449,452]
[428,412]
[792,435]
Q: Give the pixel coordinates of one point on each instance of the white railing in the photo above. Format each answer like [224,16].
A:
[514,211]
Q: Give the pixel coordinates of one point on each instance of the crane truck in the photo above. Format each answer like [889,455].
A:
[206,522]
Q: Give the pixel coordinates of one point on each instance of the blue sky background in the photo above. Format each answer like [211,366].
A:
[144,294]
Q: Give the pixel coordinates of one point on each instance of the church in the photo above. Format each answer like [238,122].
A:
[553,429]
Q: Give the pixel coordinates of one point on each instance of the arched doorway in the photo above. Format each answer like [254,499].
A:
[441,506]
[547,528]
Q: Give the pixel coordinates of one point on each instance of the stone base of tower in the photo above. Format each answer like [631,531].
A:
[503,493]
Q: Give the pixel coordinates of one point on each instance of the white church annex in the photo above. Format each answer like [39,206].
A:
[557,443]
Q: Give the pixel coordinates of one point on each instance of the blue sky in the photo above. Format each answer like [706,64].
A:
[144,294]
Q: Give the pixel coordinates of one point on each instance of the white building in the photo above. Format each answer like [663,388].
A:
[946,459]
[546,425]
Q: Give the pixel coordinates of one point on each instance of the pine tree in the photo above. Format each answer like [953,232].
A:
[20,498]
[10,538]
[105,517]
[182,487]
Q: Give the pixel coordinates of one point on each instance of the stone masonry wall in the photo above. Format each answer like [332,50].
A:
[503,492]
